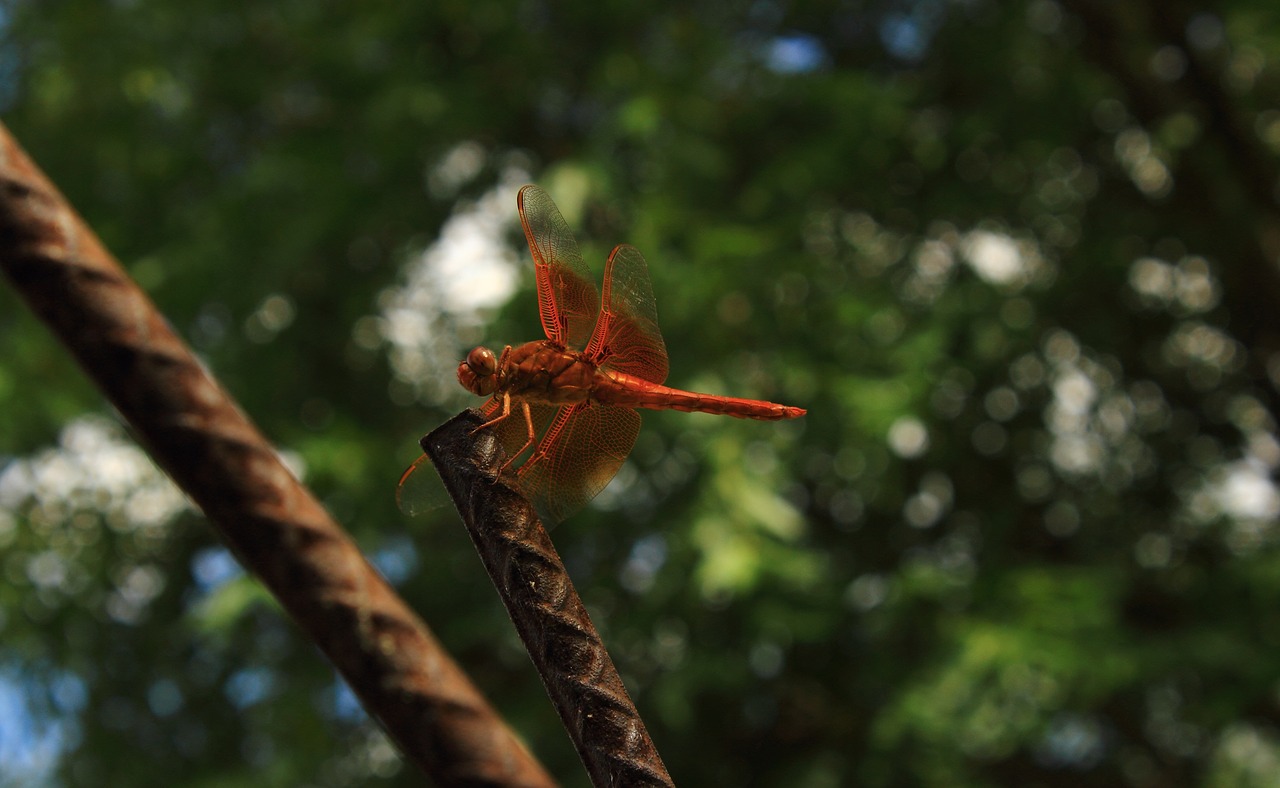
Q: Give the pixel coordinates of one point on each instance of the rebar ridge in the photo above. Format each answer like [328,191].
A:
[199,436]
[549,616]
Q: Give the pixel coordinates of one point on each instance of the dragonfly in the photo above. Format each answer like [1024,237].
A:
[567,404]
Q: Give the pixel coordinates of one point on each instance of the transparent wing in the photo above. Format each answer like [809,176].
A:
[568,302]
[626,336]
[582,450]
[420,490]
[577,449]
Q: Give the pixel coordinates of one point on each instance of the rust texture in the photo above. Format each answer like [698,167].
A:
[200,437]
[549,616]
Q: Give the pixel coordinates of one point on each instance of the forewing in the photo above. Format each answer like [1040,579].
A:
[582,450]
[626,336]
[568,302]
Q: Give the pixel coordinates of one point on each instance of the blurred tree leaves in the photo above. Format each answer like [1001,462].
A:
[1017,260]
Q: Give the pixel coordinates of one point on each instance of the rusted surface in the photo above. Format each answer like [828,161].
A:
[200,437]
[549,616]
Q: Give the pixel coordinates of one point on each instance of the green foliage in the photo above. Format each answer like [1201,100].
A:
[1017,261]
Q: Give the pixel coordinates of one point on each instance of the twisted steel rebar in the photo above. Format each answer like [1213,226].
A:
[198,434]
[549,616]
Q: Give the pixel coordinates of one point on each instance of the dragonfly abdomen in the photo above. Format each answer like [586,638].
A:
[615,388]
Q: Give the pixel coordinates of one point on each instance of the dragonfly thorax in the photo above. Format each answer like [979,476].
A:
[478,372]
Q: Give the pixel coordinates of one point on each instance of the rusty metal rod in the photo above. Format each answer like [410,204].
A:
[549,616]
[198,434]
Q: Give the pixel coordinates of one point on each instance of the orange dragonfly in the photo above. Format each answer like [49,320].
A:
[574,409]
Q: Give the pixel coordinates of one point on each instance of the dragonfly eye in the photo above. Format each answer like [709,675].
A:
[482,361]
[477,373]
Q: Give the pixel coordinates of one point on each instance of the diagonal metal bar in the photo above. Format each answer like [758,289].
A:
[198,434]
[549,616]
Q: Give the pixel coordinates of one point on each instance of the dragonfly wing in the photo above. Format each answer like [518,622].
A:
[582,450]
[420,489]
[626,336]
[568,302]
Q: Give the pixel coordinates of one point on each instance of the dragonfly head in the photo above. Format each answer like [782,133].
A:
[478,373]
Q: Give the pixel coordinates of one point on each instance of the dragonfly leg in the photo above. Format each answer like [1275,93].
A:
[528,420]
[506,411]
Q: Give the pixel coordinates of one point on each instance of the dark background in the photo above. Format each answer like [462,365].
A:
[1017,259]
